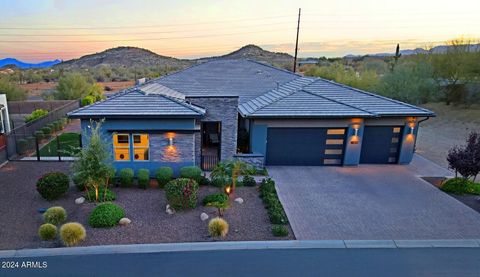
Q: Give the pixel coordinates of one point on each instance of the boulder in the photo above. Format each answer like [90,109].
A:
[169,210]
[124,221]
[80,200]
[239,200]
[203,216]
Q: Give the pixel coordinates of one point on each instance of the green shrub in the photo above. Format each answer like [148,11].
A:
[102,195]
[126,177]
[36,114]
[55,215]
[143,176]
[191,172]
[105,215]
[22,146]
[52,127]
[460,186]
[221,182]
[47,131]
[164,175]
[57,126]
[182,193]
[31,142]
[277,215]
[267,186]
[64,121]
[72,233]
[216,197]
[78,181]
[279,231]
[204,181]
[39,135]
[47,231]
[52,185]
[218,227]
[88,100]
[274,207]
[249,181]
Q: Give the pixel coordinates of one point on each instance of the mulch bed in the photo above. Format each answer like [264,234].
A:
[146,208]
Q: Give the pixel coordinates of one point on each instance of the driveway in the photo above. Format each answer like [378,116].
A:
[372,202]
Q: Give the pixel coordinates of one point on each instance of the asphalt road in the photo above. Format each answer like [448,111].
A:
[456,262]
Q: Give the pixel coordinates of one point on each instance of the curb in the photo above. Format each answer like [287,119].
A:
[240,245]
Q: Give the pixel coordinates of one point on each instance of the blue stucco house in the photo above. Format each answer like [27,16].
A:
[224,109]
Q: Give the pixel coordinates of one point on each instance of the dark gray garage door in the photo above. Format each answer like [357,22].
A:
[305,146]
[380,144]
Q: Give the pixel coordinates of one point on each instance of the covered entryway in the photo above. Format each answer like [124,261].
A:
[380,144]
[305,146]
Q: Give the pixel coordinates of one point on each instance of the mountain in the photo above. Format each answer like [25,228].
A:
[125,57]
[24,65]
[440,49]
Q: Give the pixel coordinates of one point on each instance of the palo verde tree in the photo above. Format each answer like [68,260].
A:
[93,165]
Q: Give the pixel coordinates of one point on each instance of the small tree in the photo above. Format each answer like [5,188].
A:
[93,164]
[466,160]
[231,169]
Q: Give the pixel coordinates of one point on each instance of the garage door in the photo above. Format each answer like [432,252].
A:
[305,146]
[380,144]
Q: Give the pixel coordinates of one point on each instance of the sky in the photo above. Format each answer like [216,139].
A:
[38,30]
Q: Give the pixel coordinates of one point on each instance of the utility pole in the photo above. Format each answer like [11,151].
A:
[296,42]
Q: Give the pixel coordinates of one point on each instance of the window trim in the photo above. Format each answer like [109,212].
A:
[121,147]
[133,147]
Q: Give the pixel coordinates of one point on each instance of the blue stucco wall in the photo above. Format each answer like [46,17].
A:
[183,142]
[407,148]
[258,138]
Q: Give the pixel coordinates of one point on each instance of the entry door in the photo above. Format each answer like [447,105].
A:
[380,144]
[305,146]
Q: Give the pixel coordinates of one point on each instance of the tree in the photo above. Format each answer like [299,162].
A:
[231,170]
[72,86]
[93,165]
[13,92]
[466,160]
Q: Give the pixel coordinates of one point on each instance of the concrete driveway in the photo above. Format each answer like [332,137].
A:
[372,202]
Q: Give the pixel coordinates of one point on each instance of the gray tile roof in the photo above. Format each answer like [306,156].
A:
[244,78]
[136,103]
[316,97]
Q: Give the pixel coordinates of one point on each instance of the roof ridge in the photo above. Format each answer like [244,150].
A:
[184,103]
[271,66]
[374,95]
[277,98]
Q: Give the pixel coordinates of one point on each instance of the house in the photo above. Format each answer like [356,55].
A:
[4,118]
[244,109]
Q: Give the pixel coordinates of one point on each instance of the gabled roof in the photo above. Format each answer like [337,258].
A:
[136,103]
[246,79]
[316,97]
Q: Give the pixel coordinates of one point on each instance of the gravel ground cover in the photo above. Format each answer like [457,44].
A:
[19,219]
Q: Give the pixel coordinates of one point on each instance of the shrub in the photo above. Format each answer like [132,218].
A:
[275,211]
[279,231]
[47,231]
[126,177]
[191,172]
[39,135]
[460,186]
[64,121]
[105,215]
[164,175]
[267,186]
[36,114]
[78,181]
[277,215]
[218,227]
[30,142]
[72,233]
[102,195]
[204,181]
[47,131]
[466,160]
[249,181]
[57,126]
[143,176]
[216,197]
[55,215]
[182,193]
[88,100]
[221,182]
[52,185]
[22,146]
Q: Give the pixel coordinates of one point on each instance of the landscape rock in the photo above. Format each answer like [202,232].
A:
[80,200]
[239,200]
[124,221]
[203,216]
[169,210]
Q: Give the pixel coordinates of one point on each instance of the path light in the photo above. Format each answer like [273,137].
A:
[228,190]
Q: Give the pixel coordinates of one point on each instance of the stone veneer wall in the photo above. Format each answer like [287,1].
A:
[182,149]
[255,160]
[222,109]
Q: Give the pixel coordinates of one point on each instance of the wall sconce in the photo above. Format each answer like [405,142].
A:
[412,128]
[170,141]
[355,139]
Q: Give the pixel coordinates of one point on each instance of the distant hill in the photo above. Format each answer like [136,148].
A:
[24,65]
[440,49]
[125,57]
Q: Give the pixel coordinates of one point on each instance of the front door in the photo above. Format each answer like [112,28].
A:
[211,144]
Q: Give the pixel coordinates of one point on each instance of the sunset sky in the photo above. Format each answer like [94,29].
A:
[41,30]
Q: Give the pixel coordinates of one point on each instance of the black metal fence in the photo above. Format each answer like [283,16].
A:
[22,140]
[208,162]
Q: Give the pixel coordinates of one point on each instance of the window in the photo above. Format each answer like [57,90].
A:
[121,147]
[140,147]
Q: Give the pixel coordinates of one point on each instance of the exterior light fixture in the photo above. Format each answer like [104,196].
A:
[170,141]
[228,190]
[412,128]
[355,139]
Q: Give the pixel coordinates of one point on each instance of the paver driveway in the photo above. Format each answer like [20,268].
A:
[372,202]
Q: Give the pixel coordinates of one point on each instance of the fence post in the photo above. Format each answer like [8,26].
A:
[58,149]
[80,138]
[37,148]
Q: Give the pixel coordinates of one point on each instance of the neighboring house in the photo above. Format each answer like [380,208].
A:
[223,109]
[4,118]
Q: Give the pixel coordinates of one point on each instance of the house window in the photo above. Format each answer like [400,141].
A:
[140,147]
[121,147]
